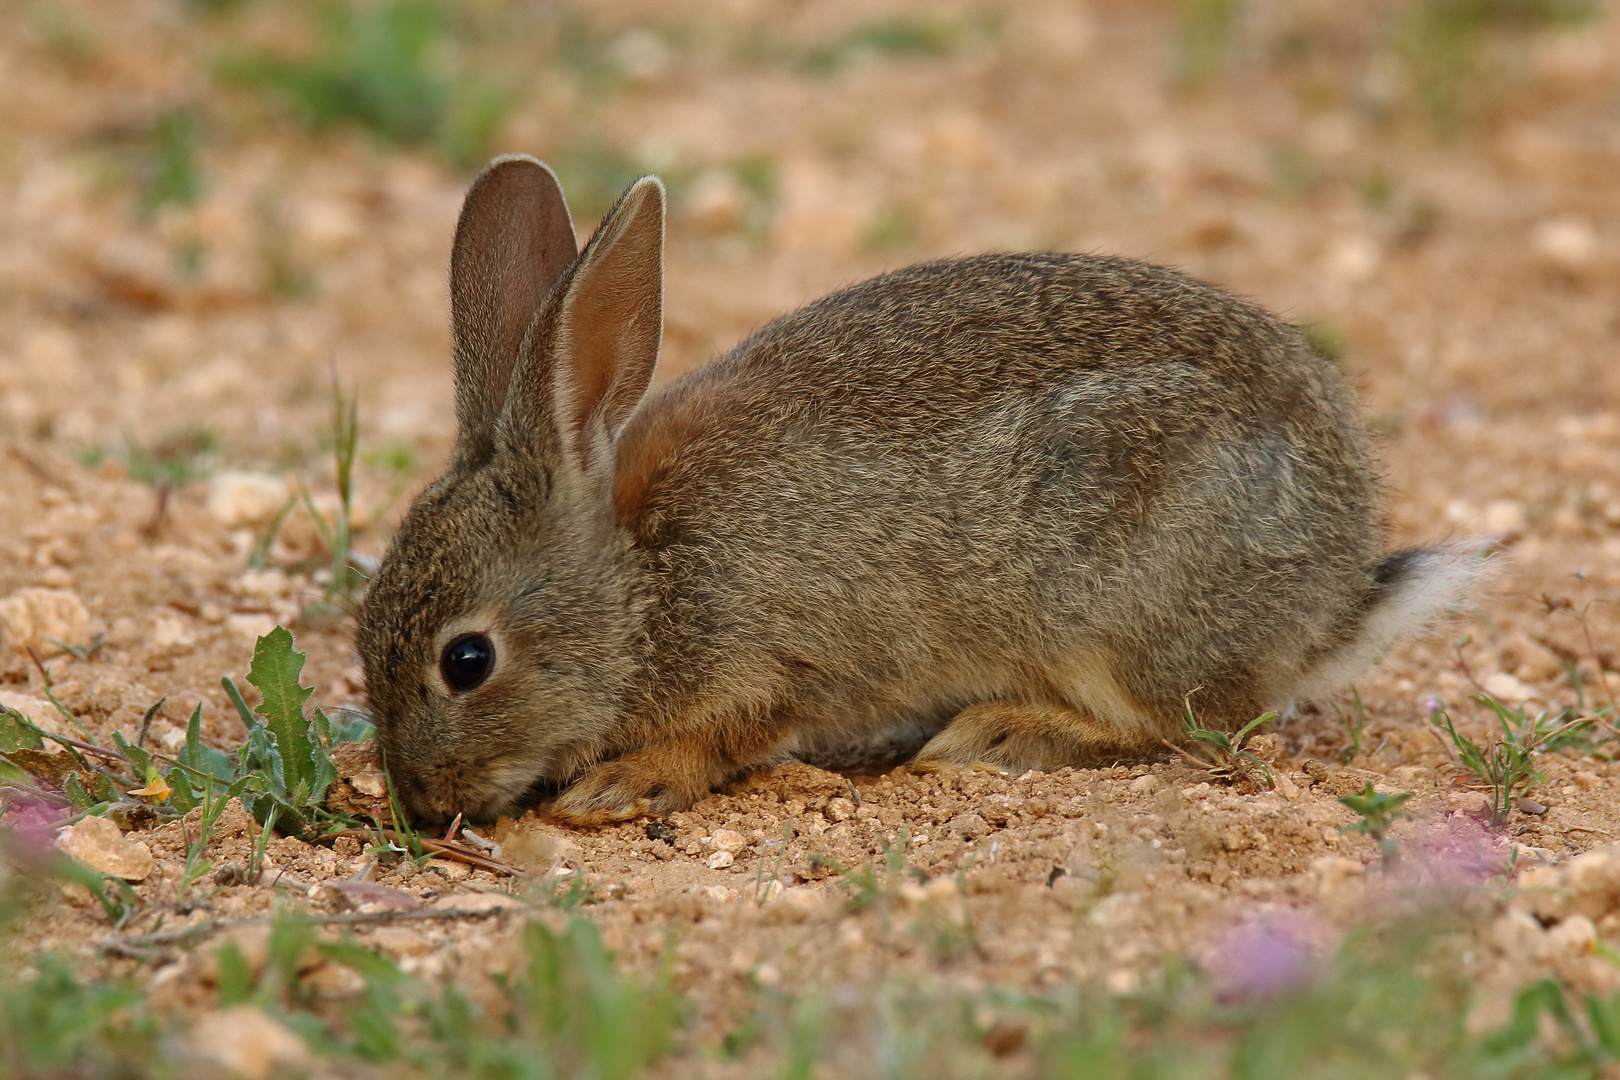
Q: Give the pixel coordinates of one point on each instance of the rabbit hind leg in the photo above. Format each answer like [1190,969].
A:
[1016,736]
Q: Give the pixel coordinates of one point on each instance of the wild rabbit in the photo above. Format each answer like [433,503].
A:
[1024,505]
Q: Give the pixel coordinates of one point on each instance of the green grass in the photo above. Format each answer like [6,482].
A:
[1355,721]
[593,174]
[175,460]
[1506,762]
[1444,44]
[1447,53]
[281,772]
[1391,1003]
[1379,810]
[893,226]
[1223,754]
[171,174]
[1204,37]
[383,66]
[344,580]
[902,36]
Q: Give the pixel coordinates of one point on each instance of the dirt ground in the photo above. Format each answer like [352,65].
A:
[1469,274]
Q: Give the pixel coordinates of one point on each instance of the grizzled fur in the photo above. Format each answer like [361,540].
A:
[1023,507]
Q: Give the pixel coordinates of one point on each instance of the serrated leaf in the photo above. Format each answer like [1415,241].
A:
[300,743]
[275,670]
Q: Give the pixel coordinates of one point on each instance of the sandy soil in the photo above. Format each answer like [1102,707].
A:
[1471,276]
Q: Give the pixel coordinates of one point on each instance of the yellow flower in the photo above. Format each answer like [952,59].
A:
[156,789]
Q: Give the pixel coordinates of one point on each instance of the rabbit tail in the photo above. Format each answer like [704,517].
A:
[1412,588]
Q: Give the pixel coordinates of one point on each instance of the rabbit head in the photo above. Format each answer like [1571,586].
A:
[499,634]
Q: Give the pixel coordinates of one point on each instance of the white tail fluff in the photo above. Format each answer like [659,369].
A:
[1415,587]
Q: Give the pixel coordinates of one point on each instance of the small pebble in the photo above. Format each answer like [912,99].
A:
[1528,805]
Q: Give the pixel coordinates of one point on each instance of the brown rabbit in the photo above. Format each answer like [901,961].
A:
[1020,506]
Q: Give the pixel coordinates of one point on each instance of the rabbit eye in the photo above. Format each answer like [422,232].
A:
[467,662]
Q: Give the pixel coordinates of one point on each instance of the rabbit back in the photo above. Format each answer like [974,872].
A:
[1060,477]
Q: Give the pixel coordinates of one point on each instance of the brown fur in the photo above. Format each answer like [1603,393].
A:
[1018,505]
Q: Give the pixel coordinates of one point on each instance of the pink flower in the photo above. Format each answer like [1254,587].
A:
[29,839]
[1266,955]
[1453,852]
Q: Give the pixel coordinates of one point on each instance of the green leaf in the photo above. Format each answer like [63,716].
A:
[290,818]
[78,798]
[17,732]
[139,759]
[51,770]
[350,727]
[275,670]
[12,774]
[182,798]
[235,978]
[202,757]
[1243,732]
[105,790]
[259,757]
[242,710]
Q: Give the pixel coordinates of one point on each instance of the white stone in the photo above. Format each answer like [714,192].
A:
[797,904]
[472,903]
[1507,689]
[1114,911]
[1503,517]
[245,1042]
[1565,242]
[250,626]
[252,499]
[1353,258]
[450,869]
[715,203]
[1518,933]
[728,840]
[719,860]
[263,585]
[29,617]
[370,781]
[1574,934]
[99,844]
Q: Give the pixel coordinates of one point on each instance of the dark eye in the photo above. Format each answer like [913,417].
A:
[467,661]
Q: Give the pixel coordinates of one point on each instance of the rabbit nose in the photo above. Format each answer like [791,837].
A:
[420,798]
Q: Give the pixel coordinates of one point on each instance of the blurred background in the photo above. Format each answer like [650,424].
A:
[213,207]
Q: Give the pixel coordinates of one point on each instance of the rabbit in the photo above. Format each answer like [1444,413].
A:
[1032,507]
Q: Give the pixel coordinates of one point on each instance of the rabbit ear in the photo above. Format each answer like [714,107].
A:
[582,384]
[513,241]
